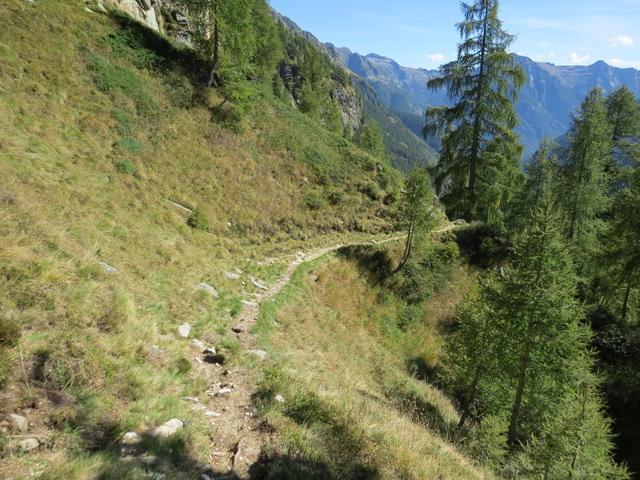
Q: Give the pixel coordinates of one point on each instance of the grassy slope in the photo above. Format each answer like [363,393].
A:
[95,137]
[355,406]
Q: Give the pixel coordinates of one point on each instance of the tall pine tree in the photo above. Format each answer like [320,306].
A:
[518,343]
[583,191]
[480,152]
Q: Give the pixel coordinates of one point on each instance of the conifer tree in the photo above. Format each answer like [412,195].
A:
[223,31]
[576,443]
[417,211]
[623,112]
[538,186]
[583,191]
[371,138]
[518,344]
[621,242]
[480,152]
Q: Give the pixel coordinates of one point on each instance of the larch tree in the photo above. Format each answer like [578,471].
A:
[515,350]
[621,242]
[480,152]
[417,211]
[623,112]
[223,31]
[585,185]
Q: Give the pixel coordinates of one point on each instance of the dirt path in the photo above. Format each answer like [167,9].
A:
[237,437]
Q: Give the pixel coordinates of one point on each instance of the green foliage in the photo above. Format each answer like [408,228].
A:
[198,220]
[582,190]
[371,138]
[480,152]
[623,112]
[130,145]
[112,78]
[314,200]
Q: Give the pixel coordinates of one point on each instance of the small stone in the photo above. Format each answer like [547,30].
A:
[211,414]
[279,399]
[108,268]
[232,276]
[237,329]
[168,429]
[184,330]
[205,287]
[191,399]
[258,284]
[155,350]
[130,438]
[248,303]
[198,345]
[28,444]
[224,392]
[260,354]
[18,422]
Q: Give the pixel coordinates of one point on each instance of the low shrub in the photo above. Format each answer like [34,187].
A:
[198,220]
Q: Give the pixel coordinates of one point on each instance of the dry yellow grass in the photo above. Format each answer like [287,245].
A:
[351,404]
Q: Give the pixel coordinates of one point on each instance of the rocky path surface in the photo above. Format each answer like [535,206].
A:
[237,438]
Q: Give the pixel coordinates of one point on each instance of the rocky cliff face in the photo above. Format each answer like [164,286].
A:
[147,11]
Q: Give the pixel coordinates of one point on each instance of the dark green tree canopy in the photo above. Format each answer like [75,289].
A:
[480,151]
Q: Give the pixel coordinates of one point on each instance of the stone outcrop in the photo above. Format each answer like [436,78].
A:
[147,11]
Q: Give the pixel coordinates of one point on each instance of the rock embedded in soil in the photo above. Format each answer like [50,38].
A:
[28,444]
[184,330]
[168,429]
[18,423]
[205,287]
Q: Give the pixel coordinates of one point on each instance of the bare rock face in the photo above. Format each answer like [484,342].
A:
[147,11]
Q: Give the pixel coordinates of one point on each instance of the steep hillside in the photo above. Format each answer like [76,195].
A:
[551,94]
[406,147]
[130,205]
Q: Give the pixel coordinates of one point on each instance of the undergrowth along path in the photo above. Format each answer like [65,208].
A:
[240,439]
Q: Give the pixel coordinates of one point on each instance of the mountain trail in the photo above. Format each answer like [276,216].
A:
[239,438]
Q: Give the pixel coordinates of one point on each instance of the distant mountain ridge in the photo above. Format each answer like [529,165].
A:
[550,96]
[552,93]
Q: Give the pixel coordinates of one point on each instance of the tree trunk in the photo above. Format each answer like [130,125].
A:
[475,146]
[522,376]
[215,57]
[407,250]
[466,409]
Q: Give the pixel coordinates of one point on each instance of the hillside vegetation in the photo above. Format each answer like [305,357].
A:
[113,155]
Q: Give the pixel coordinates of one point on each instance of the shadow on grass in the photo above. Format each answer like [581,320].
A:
[166,55]
[335,437]
[373,263]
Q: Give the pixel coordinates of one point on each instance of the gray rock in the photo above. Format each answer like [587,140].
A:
[198,345]
[237,329]
[232,276]
[258,284]
[168,429]
[260,354]
[205,287]
[211,414]
[130,438]
[108,268]
[18,422]
[28,444]
[184,330]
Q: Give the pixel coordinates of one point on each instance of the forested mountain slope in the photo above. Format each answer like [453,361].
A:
[551,94]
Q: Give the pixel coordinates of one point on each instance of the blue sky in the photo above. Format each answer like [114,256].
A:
[421,33]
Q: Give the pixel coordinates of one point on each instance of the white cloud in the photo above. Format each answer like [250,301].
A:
[622,41]
[576,58]
[436,57]
[616,62]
